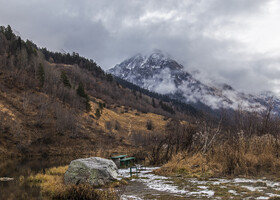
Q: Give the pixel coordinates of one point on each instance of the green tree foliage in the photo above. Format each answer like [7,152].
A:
[97,113]
[15,43]
[109,77]
[8,33]
[81,92]
[166,107]
[65,80]
[19,43]
[101,105]
[41,75]
[153,103]
[11,37]
[72,59]
[149,124]
[100,109]
[30,48]
[88,106]
[2,29]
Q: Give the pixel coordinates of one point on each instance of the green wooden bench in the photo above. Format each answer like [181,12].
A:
[117,159]
[126,162]
[138,168]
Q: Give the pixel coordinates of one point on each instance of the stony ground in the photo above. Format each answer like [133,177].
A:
[151,186]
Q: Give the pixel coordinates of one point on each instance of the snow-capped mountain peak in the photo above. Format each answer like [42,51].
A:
[158,72]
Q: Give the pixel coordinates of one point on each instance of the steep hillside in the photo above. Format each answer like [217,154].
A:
[54,104]
[159,73]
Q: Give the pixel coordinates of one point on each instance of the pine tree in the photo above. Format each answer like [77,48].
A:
[30,48]
[19,43]
[8,33]
[88,106]
[97,113]
[153,102]
[109,77]
[81,91]
[65,80]
[41,75]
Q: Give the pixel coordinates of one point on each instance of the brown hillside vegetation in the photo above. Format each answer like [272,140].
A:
[254,157]
[51,108]
[248,147]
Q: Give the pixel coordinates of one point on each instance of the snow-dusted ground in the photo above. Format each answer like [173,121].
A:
[151,186]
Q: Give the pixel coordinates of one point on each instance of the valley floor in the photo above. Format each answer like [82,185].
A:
[151,186]
[146,186]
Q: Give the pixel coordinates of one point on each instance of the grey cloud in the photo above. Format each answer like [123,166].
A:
[110,31]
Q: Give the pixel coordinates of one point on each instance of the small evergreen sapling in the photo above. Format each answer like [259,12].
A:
[65,80]
[41,75]
[81,92]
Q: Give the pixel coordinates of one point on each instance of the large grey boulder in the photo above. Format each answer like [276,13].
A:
[94,171]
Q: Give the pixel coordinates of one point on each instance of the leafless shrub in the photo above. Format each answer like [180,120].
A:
[41,114]
[108,125]
[162,146]
[65,120]
[149,124]
[117,126]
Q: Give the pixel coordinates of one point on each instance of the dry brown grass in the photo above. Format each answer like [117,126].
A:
[247,157]
[51,183]
[22,130]
[184,164]
[52,186]
[7,111]
[128,119]
[57,170]
[87,192]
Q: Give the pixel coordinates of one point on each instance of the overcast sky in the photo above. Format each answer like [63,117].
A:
[232,41]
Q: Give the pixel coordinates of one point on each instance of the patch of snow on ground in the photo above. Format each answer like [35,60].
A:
[273,195]
[245,180]
[273,184]
[201,187]
[155,182]
[208,193]
[233,192]
[252,188]
[262,197]
[130,197]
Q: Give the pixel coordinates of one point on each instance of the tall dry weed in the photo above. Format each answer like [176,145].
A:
[240,156]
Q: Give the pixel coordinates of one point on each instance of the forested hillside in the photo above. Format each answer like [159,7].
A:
[54,103]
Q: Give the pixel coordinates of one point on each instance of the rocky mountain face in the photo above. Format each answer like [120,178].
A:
[158,72]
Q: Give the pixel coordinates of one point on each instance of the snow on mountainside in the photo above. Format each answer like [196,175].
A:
[158,72]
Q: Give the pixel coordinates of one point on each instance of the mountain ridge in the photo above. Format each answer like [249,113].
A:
[158,72]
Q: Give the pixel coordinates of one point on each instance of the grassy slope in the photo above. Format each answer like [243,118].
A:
[41,115]
[22,119]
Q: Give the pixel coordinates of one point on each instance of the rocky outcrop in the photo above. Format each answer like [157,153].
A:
[94,171]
